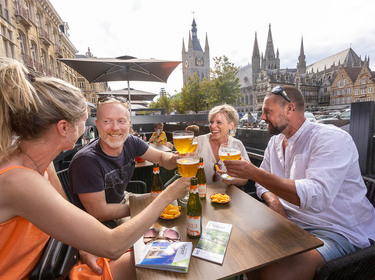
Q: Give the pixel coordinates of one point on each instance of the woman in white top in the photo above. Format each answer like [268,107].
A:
[223,122]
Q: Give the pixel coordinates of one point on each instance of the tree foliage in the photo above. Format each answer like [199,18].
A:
[222,87]
[162,102]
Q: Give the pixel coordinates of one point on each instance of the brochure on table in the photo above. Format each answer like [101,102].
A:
[163,255]
[213,242]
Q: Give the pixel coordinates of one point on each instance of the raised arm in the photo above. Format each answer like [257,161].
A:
[33,198]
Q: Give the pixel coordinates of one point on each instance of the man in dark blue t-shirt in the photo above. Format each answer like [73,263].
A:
[100,172]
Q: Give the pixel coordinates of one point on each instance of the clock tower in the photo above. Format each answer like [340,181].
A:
[195,60]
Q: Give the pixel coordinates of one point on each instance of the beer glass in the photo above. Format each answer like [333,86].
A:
[194,145]
[228,152]
[187,167]
[182,140]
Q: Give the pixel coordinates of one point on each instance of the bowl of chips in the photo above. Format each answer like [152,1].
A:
[171,212]
[220,198]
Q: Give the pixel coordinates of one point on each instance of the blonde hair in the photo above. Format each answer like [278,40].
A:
[29,105]
[229,112]
[109,100]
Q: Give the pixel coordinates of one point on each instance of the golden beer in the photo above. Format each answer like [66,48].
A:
[188,166]
[230,156]
[182,143]
[193,147]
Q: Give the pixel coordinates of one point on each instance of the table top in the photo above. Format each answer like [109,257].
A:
[160,147]
[259,236]
[145,163]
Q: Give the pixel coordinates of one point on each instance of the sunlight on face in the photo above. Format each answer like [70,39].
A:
[113,124]
[220,126]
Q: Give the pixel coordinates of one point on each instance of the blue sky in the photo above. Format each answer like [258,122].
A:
[156,29]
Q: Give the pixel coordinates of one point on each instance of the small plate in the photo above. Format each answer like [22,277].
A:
[170,219]
[224,202]
[225,176]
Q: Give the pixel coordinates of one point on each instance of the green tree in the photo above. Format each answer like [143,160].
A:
[225,87]
[164,101]
[192,96]
[222,87]
[177,104]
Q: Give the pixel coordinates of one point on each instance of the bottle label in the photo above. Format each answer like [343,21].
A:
[156,170]
[193,188]
[193,225]
[201,165]
[202,189]
[155,194]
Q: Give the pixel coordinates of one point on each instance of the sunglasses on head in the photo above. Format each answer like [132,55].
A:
[216,176]
[168,234]
[278,90]
[105,98]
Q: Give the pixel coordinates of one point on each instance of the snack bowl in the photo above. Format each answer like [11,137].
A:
[225,176]
[171,212]
[170,219]
[220,198]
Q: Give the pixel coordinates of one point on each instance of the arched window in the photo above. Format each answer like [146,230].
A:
[22,42]
[34,52]
[44,60]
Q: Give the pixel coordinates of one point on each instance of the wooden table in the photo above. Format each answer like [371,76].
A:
[259,236]
[160,147]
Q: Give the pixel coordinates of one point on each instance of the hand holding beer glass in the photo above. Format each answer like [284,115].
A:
[228,152]
[187,165]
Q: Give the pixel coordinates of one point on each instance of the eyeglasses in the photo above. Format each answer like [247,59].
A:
[278,90]
[153,234]
[216,176]
[105,98]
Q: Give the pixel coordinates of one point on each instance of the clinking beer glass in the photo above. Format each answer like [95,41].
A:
[228,152]
[187,164]
[182,140]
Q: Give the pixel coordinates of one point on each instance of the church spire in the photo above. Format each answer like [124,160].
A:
[270,62]
[301,65]
[255,60]
[270,52]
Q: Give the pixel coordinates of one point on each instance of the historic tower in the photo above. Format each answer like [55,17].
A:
[301,65]
[195,60]
[270,61]
[255,61]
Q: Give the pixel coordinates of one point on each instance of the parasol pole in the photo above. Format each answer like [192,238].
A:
[130,105]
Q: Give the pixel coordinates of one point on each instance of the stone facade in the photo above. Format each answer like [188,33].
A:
[316,81]
[195,59]
[33,33]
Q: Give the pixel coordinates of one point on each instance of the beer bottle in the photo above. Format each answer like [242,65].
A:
[202,189]
[157,184]
[194,211]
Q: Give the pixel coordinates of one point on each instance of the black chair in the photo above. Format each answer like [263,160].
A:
[137,186]
[357,265]
[63,176]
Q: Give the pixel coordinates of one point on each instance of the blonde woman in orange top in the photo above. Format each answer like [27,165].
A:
[39,118]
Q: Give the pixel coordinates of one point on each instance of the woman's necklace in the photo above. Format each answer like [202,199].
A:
[37,166]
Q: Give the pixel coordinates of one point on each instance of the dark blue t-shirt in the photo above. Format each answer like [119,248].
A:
[91,170]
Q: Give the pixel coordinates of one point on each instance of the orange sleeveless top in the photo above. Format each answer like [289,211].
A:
[21,245]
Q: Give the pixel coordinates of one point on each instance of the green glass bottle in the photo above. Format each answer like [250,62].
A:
[157,184]
[194,211]
[202,188]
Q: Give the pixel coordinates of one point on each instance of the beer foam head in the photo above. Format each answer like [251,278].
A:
[188,161]
[183,137]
